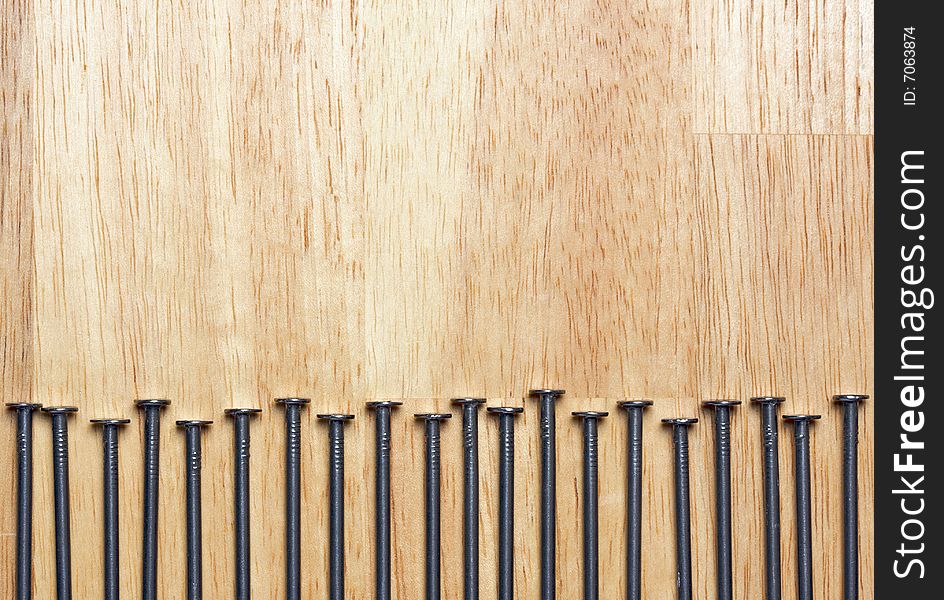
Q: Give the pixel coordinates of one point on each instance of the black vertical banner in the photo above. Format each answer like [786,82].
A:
[909,373]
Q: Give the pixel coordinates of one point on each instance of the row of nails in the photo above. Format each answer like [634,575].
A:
[469,406]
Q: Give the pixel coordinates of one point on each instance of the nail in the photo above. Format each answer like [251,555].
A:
[60,474]
[683,514]
[382,412]
[152,466]
[506,498]
[591,504]
[24,497]
[722,409]
[241,418]
[110,429]
[433,478]
[192,430]
[769,430]
[634,409]
[470,518]
[336,502]
[850,491]
[293,495]
[804,510]
[547,399]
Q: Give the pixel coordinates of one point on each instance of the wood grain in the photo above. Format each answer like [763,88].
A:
[798,66]
[222,204]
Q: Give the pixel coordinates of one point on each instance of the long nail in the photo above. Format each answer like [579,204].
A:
[470,513]
[725,573]
[506,498]
[591,504]
[241,418]
[804,509]
[336,502]
[850,492]
[769,429]
[152,466]
[60,474]
[110,429]
[433,479]
[634,409]
[683,508]
[548,398]
[293,495]
[383,437]
[192,430]
[24,497]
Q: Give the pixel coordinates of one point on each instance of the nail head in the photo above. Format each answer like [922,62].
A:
[193,423]
[109,421]
[634,404]
[801,418]
[335,417]
[58,410]
[505,410]
[590,414]
[768,400]
[850,398]
[233,412]
[680,421]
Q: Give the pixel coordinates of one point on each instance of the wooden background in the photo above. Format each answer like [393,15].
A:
[221,203]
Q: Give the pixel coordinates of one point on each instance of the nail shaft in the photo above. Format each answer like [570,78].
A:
[804,510]
[192,431]
[24,497]
[506,499]
[152,461]
[293,496]
[336,502]
[241,418]
[60,473]
[725,575]
[634,410]
[110,429]
[548,398]
[683,519]
[382,411]
[850,492]
[769,433]
[470,512]
[433,487]
[591,505]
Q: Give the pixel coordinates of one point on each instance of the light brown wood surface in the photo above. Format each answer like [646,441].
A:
[222,203]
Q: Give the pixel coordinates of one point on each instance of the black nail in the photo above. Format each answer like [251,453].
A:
[192,430]
[241,418]
[722,409]
[470,519]
[850,492]
[336,502]
[60,474]
[548,491]
[506,498]
[110,501]
[591,504]
[293,495]
[634,409]
[683,508]
[804,509]
[433,486]
[383,437]
[24,497]
[769,430]
[152,466]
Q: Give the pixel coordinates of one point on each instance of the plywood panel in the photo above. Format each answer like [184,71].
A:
[224,204]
